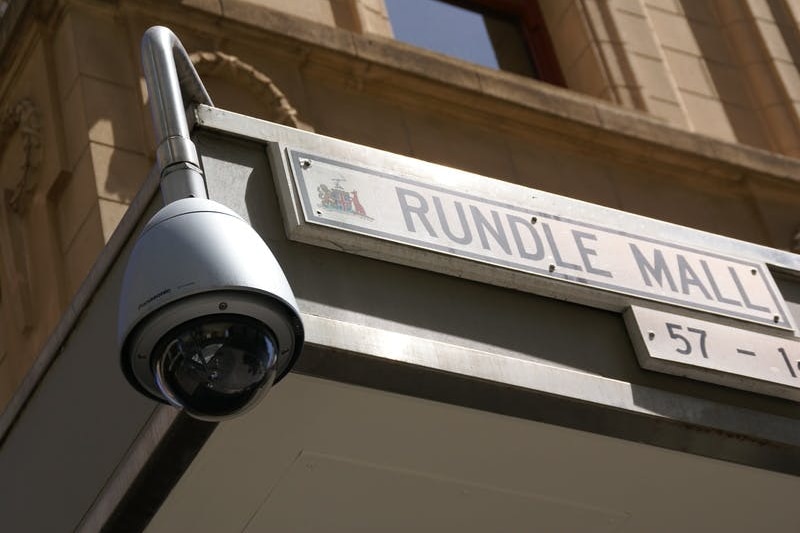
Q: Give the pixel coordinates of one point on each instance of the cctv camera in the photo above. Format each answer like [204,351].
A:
[207,319]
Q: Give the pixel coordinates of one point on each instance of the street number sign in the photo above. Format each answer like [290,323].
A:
[737,357]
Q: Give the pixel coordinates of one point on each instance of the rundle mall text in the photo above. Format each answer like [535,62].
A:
[430,216]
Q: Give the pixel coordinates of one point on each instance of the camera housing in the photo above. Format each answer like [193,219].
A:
[207,319]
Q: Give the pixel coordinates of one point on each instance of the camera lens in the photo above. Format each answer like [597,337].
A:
[216,365]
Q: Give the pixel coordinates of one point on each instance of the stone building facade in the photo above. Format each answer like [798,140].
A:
[681,110]
[501,380]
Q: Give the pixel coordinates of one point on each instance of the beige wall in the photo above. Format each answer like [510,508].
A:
[77,73]
[665,98]
[715,67]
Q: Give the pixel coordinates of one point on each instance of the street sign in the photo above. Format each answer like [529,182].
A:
[603,266]
[716,353]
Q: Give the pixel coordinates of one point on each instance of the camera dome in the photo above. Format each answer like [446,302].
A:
[207,319]
[216,365]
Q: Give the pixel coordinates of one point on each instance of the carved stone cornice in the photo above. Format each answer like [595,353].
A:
[221,65]
[24,118]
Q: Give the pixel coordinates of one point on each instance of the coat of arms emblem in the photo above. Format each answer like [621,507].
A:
[341,200]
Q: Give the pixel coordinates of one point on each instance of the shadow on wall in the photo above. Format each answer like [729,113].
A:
[728,75]
[742,56]
[790,32]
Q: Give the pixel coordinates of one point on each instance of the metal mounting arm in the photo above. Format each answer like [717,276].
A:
[173,84]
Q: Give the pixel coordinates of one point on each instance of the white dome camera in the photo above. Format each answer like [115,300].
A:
[207,319]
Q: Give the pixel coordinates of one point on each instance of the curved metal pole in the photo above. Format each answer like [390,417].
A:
[172,84]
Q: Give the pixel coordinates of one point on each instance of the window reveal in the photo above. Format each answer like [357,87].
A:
[507,35]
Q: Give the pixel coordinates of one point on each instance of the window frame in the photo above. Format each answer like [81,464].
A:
[534,33]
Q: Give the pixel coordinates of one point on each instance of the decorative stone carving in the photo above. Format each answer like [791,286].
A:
[22,117]
[230,67]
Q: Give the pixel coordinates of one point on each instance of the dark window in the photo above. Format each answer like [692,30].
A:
[506,35]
